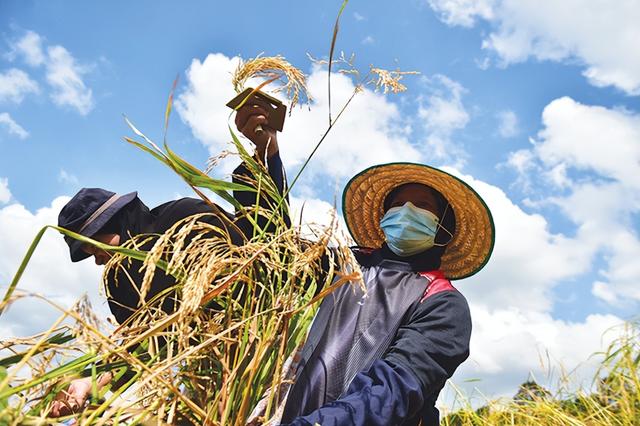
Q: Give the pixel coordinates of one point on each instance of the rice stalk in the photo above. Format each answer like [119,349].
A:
[614,399]
[293,82]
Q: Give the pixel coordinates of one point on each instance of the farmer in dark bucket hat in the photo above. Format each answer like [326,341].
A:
[382,358]
[87,213]
[114,219]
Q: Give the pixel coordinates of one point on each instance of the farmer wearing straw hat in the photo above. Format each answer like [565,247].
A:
[113,219]
[382,358]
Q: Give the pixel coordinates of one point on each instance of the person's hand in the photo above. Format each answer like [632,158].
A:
[252,120]
[72,399]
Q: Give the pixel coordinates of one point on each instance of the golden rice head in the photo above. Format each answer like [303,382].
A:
[389,81]
[86,322]
[294,82]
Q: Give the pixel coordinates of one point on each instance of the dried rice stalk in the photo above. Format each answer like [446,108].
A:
[390,80]
[294,82]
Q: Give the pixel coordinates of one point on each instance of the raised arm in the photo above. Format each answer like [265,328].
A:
[253,122]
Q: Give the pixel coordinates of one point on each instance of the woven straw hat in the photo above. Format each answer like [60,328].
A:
[472,243]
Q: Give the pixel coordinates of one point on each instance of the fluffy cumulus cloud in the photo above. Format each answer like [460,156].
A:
[50,272]
[11,126]
[29,47]
[567,30]
[15,84]
[63,73]
[372,132]
[509,345]
[462,12]
[591,154]
[591,138]
[522,271]
[202,105]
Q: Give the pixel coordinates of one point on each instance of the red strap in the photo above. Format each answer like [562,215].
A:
[437,284]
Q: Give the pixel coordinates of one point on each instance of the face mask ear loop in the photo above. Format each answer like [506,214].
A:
[442,227]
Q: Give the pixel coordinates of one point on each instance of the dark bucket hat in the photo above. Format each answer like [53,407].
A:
[88,211]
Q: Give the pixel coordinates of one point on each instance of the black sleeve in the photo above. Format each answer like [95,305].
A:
[247,199]
[123,294]
[435,340]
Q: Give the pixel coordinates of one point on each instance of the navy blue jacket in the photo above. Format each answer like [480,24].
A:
[401,386]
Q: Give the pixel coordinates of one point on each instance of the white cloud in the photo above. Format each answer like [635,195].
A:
[202,105]
[442,115]
[601,35]
[523,270]
[5,193]
[63,74]
[65,77]
[462,12]
[372,131]
[508,124]
[604,214]
[68,178]
[12,127]
[593,153]
[509,345]
[591,138]
[30,48]
[15,84]
[49,273]
[512,302]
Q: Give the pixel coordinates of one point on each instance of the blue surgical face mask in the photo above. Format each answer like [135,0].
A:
[409,230]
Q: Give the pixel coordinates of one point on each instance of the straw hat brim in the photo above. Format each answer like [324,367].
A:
[474,238]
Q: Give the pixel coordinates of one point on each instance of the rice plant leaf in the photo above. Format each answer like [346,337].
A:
[148,150]
[142,135]
[58,339]
[333,45]
[4,402]
[178,161]
[167,112]
[21,268]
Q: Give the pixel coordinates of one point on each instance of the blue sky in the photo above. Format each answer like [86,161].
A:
[535,104]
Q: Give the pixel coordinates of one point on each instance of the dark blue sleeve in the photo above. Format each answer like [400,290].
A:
[384,395]
[425,352]
[434,342]
[248,199]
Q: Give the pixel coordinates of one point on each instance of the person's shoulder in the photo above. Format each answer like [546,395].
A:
[182,205]
[168,213]
[441,294]
[438,285]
